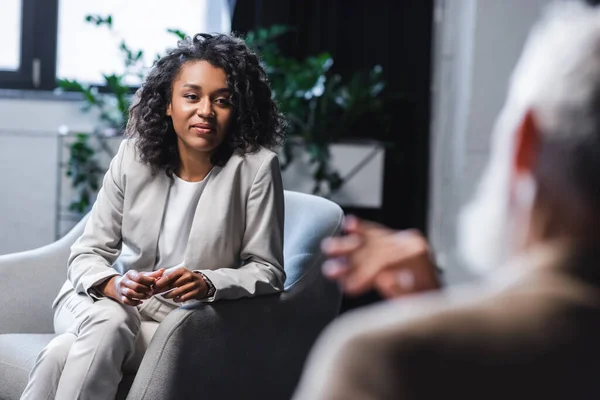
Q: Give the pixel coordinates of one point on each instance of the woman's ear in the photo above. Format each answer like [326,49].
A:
[527,145]
[168,110]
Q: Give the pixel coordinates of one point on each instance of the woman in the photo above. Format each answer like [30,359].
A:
[191,210]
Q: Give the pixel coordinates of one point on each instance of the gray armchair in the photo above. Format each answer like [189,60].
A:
[247,348]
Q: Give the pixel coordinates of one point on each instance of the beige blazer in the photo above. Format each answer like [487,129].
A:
[236,238]
[530,331]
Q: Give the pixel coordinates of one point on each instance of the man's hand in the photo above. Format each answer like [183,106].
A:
[372,256]
[183,284]
[132,288]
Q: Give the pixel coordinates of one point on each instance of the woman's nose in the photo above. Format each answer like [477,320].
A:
[205,108]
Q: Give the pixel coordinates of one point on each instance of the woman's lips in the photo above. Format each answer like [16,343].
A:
[203,129]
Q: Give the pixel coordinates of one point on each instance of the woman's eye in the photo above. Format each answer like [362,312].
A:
[223,101]
[191,96]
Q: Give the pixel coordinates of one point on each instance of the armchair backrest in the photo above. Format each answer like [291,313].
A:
[32,281]
[308,219]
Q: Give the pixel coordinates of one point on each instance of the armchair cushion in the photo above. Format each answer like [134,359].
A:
[18,352]
[17,356]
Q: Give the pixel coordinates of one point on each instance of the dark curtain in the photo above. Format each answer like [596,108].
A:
[360,34]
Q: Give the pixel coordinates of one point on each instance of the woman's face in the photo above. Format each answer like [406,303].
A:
[200,107]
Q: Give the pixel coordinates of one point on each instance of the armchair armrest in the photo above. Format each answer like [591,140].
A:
[246,348]
[31,280]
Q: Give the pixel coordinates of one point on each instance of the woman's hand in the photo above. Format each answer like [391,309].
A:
[371,256]
[132,288]
[182,284]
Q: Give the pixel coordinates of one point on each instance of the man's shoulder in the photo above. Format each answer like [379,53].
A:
[428,342]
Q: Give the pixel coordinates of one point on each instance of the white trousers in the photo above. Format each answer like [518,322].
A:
[97,341]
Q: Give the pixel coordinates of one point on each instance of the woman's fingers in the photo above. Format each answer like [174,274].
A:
[130,302]
[134,290]
[180,291]
[141,278]
[132,294]
[179,284]
[155,274]
[167,281]
[185,278]
[136,287]
[191,295]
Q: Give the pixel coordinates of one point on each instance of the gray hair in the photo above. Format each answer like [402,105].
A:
[558,79]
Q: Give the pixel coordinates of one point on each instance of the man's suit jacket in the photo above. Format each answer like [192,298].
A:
[236,238]
[530,331]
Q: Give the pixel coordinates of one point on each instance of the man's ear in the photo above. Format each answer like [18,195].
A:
[527,144]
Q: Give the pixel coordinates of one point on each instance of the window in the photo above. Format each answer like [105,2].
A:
[86,51]
[47,39]
[28,29]
[10,30]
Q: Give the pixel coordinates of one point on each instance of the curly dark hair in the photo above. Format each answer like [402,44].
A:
[256,121]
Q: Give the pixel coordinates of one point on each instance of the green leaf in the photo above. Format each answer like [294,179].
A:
[70,85]
[278,30]
[90,96]
[180,34]
[100,20]
[376,89]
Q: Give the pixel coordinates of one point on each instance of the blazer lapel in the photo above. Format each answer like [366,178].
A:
[196,244]
[157,193]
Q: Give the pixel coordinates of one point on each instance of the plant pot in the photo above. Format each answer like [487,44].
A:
[359,163]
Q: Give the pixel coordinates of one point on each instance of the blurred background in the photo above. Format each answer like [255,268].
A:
[391,103]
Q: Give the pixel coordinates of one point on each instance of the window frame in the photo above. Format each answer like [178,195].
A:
[38,50]
[39,23]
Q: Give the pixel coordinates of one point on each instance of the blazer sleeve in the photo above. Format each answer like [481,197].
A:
[262,245]
[94,253]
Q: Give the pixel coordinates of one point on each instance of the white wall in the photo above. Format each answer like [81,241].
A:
[28,184]
[478,43]
[28,161]
[43,116]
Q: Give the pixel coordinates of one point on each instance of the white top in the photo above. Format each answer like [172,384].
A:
[177,222]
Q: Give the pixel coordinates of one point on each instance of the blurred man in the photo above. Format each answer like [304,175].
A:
[529,329]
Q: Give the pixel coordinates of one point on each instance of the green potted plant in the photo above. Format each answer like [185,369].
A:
[322,107]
